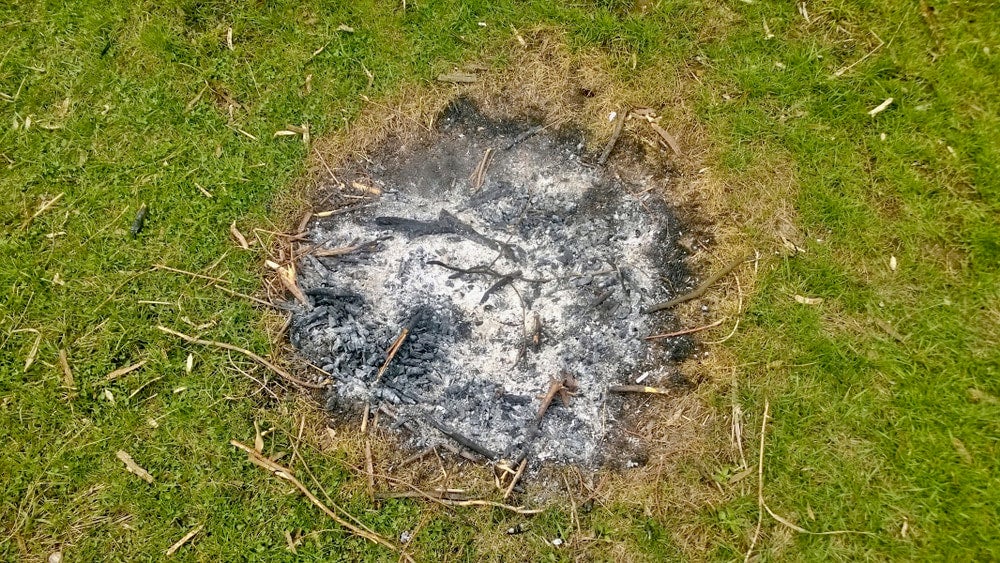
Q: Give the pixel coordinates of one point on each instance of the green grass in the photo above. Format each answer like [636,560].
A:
[864,434]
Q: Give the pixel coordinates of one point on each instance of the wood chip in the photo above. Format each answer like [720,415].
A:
[133,467]
[258,438]
[808,300]
[67,378]
[345,28]
[287,276]
[619,126]
[364,188]
[881,107]
[187,537]
[667,137]
[123,371]
[240,239]
[458,78]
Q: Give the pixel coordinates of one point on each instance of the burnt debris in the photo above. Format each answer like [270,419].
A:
[498,318]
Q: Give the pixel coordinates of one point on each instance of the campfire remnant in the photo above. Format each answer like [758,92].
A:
[469,310]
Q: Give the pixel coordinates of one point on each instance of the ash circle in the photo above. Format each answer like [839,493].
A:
[490,292]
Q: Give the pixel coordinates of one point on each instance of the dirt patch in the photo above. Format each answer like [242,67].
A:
[495,263]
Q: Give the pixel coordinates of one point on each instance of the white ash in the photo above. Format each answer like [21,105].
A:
[583,254]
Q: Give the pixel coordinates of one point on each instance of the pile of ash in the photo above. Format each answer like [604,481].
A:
[480,296]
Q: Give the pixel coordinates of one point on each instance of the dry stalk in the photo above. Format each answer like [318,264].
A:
[245,296]
[286,475]
[284,374]
[187,273]
[763,505]
[739,313]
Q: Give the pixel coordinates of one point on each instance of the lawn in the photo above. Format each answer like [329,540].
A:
[881,379]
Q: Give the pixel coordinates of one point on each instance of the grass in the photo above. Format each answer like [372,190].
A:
[868,432]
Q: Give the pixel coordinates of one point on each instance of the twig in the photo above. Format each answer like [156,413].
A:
[133,467]
[531,133]
[685,331]
[697,292]
[285,474]
[844,69]
[464,440]
[417,456]
[479,174]
[555,387]
[305,466]
[505,280]
[180,543]
[123,371]
[325,165]
[396,345]
[263,384]
[638,389]
[284,374]
[515,478]
[614,138]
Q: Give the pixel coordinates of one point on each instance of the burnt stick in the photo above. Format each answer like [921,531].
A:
[463,440]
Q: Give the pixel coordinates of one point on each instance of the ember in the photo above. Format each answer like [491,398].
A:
[492,295]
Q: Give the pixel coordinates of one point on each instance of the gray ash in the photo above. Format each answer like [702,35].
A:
[491,293]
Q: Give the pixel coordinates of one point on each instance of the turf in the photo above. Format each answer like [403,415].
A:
[112,105]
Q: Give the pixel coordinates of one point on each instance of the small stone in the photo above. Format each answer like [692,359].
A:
[557,542]
[55,557]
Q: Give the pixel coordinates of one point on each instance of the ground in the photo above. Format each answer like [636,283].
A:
[869,328]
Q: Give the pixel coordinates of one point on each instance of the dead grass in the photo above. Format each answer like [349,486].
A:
[687,438]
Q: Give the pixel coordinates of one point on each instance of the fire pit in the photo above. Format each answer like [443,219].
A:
[486,291]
